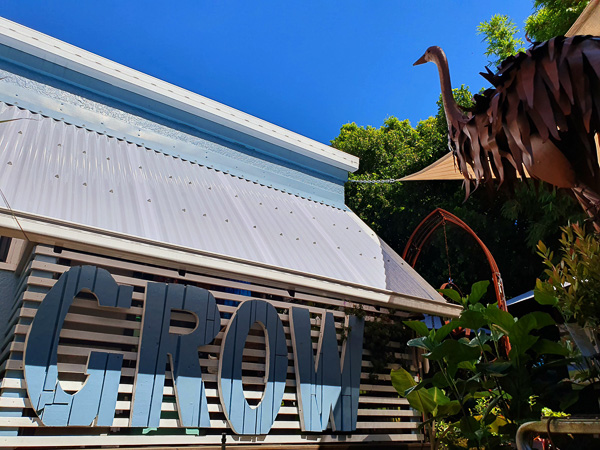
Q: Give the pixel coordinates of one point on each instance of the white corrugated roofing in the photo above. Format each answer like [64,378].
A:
[55,170]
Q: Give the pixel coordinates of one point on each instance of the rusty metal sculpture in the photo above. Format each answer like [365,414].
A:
[543,114]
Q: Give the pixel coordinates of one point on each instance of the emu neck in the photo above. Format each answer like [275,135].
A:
[453,113]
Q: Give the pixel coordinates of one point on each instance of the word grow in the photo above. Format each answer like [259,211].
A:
[327,389]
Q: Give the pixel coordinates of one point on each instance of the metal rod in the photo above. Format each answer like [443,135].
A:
[223,441]
[556,426]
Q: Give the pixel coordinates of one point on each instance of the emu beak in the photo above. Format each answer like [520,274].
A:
[420,61]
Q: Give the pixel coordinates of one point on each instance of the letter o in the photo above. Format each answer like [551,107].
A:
[243,418]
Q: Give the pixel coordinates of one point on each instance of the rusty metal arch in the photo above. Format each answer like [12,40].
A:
[429,225]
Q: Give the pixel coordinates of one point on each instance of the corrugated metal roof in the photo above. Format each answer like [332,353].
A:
[52,169]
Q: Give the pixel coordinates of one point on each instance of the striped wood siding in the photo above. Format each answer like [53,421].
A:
[382,416]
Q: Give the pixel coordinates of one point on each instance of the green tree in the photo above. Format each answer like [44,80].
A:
[500,35]
[394,210]
[552,18]
[549,19]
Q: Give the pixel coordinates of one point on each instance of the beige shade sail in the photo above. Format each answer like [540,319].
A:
[441,170]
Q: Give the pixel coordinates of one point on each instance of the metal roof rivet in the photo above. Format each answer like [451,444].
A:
[260,204]
[140,167]
[291,212]
[190,182]
[226,220]
[276,207]
[338,248]
[183,209]
[361,254]
[314,242]
[360,231]
[84,151]
[20,132]
[107,158]
[112,192]
[59,145]
[236,196]
[56,176]
[9,163]
[170,176]
[254,226]
[280,234]
[203,215]
[149,200]
[85,184]
[297,239]
[209,188]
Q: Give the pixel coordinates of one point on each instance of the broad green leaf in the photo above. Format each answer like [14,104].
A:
[547,347]
[402,380]
[469,426]
[451,294]
[419,327]
[544,298]
[542,319]
[438,396]
[467,365]
[453,352]
[500,318]
[472,319]
[421,342]
[420,399]
[449,409]
[445,330]
[439,380]
[478,290]
[496,368]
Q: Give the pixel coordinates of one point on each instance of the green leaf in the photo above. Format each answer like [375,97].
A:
[421,342]
[451,294]
[502,319]
[472,319]
[449,409]
[542,319]
[439,380]
[544,298]
[453,352]
[478,290]
[420,399]
[445,330]
[547,347]
[419,327]
[496,368]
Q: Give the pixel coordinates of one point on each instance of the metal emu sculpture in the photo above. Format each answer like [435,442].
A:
[542,115]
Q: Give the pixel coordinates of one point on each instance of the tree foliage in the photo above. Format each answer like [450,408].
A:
[500,35]
[510,230]
[549,19]
[552,18]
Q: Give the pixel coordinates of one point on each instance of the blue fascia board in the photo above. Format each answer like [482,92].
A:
[63,78]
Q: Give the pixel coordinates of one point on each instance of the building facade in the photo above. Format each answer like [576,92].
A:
[176,272]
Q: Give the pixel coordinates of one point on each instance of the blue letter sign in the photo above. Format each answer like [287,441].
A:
[98,396]
[157,344]
[327,389]
[243,418]
[330,386]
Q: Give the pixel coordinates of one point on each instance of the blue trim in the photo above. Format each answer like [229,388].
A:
[252,158]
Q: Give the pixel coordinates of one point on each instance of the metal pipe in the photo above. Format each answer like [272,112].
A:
[555,425]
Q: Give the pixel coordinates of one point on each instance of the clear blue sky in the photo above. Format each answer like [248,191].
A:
[307,65]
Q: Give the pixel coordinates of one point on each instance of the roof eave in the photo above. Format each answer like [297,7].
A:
[66,55]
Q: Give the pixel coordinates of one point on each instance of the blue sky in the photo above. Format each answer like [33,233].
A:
[306,65]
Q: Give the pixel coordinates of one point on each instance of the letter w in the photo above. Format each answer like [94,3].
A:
[329,386]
